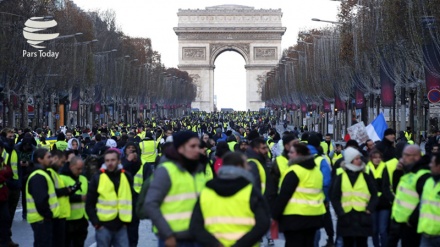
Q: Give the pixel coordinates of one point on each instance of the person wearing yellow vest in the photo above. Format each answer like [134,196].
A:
[337,155]
[77,222]
[429,219]
[232,143]
[131,163]
[281,162]
[408,134]
[328,147]
[148,148]
[174,189]
[299,207]
[58,158]
[61,143]
[109,202]
[42,203]
[230,210]
[14,184]
[406,207]
[354,199]
[5,174]
[204,160]
[257,158]
[381,216]
[257,155]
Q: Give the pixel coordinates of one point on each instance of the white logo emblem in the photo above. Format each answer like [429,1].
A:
[33,26]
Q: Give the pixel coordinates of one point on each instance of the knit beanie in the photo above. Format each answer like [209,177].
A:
[349,154]
[182,137]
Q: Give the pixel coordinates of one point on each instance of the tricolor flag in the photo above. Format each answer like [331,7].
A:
[377,128]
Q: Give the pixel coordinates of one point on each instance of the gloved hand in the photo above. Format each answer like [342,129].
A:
[74,188]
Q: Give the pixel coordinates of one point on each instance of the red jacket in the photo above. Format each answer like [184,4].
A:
[5,174]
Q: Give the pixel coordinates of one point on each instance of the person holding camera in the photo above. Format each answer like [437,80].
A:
[77,222]
[58,159]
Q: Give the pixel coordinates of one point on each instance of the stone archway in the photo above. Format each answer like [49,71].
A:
[204,34]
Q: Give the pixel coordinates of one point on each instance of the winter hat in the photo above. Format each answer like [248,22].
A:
[314,140]
[389,131]
[349,154]
[111,143]
[182,137]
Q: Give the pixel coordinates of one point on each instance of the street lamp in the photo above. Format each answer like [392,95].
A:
[331,22]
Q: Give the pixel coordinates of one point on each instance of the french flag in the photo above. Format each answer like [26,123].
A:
[377,128]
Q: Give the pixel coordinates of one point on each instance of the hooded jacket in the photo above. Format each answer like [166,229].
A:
[288,187]
[353,223]
[231,180]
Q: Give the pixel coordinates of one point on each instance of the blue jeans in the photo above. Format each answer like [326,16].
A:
[339,241]
[181,243]
[430,242]
[107,238]
[43,232]
[381,220]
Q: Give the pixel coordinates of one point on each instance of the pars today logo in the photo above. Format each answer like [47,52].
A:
[33,32]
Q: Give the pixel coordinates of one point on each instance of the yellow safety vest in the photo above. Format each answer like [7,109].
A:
[232,145]
[111,204]
[354,197]
[308,198]
[325,147]
[227,218]
[377,172]
[32,215]
[391,167]
[282,164]
[429,220]
[63,200]
[148,151]
[61,145]
[77,209]
[407,198]
[408,135]
[262,173]
[138,180]
[336,157]
[13,162]
[209,175]
[179,203]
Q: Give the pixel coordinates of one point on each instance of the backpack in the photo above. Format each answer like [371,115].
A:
[140,207]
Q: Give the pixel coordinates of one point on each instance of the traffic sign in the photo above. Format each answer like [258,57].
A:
[434,95]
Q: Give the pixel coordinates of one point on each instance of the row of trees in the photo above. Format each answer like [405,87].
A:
[97,63]
[374,45]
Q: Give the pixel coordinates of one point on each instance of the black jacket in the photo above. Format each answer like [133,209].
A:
[40,192]
[288,187]
[92,199]
[226,188]
[387,149]
[354,223]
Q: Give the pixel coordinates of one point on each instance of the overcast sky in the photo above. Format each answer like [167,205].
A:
[156,19]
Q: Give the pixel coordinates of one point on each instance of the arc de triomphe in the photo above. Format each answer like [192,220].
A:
[204,34]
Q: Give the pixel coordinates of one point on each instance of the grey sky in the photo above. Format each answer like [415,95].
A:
[156,19]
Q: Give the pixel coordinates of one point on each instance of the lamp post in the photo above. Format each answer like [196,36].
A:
[331,22]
